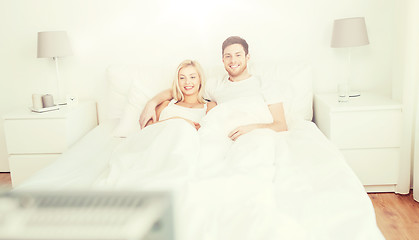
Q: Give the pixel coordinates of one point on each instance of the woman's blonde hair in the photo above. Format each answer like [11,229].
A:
[176,92]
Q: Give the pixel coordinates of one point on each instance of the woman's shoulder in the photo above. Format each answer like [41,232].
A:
[211,105]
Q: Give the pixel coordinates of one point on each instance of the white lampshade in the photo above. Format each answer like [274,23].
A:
[53,44]
[349,32]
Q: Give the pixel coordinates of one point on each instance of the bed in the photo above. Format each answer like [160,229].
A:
[313,193]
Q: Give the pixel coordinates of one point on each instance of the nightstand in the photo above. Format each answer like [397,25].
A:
[34,140]
[367,129]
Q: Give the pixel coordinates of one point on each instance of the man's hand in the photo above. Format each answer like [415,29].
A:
[236,133]
[148,113]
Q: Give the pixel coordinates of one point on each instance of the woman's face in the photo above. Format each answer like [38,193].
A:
[189,81]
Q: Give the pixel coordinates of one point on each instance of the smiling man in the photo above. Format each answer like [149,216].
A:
[235,57]
[240,83]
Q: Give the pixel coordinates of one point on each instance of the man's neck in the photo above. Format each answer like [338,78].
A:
[243,76]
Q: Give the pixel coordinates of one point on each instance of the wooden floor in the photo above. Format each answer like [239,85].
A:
[5,180]
[397,215]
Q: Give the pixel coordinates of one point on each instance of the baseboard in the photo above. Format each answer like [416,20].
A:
[380,188]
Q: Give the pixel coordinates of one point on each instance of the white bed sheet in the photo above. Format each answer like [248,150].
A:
[317,196]
[81,165]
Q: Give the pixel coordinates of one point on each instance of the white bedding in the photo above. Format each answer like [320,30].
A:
[161,156]
[314,194]
[267,185]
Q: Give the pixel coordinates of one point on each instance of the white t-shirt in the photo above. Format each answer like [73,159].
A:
[173,110]
[223,90]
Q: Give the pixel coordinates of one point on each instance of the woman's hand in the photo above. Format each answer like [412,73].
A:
[236,133]
[194,124]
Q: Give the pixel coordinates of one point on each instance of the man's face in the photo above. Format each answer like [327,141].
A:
[235,60]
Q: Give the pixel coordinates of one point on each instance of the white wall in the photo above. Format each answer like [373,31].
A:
[165,32]
[406,72]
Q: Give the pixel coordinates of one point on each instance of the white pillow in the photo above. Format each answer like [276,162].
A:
[300,105]
[148,82]
[131,86]
[129,121]
[120,79]
[293,82]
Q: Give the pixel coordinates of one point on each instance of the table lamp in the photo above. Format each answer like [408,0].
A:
[54,44]
[348,33]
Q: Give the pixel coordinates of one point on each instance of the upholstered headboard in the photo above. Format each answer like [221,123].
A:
[131,86]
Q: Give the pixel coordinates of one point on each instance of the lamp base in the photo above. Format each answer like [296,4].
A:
[354,94]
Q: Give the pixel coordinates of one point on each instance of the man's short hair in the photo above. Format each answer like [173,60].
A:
[236,40]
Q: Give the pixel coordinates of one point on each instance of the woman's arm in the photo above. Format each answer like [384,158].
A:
[149,112]
[279,123]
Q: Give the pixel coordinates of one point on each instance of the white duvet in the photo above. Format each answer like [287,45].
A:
[266,185]
[221,187]
[160,156]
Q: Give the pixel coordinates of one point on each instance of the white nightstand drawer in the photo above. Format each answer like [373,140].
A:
[49,132]
[374,166]
[34,140]
[366,129]
[36,136]
[24,166]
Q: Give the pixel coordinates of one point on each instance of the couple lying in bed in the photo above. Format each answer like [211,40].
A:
[217,159]
[240,83]
[237,132]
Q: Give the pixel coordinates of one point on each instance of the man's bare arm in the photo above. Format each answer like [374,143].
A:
[149,111]
[159,109]
[279,123]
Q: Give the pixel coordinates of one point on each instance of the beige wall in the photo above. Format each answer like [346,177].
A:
[132,31]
